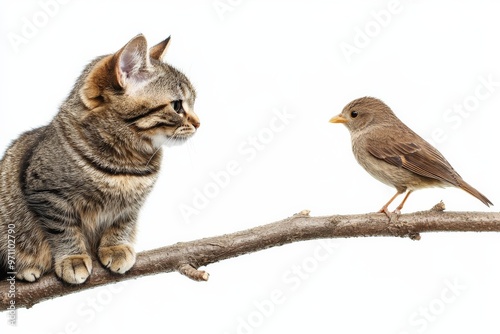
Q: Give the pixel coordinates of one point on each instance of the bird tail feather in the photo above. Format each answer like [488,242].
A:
[471,190]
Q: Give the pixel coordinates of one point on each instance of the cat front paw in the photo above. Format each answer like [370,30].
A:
[29,274]
[32,264]
[74,269]
[119,259]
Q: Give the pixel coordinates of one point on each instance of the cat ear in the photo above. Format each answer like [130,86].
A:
[158,51]
[132,66]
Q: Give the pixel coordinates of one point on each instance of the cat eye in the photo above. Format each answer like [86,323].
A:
[177,106]
[354,114]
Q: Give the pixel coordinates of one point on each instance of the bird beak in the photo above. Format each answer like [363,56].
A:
[338,119]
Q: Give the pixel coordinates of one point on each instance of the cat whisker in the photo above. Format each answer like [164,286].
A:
[154,153]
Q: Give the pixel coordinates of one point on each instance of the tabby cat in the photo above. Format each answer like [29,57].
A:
[71,191]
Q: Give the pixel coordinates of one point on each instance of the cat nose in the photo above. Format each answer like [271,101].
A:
[194,120]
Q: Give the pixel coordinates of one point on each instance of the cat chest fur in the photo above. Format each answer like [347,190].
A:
[120,199]
[112,196]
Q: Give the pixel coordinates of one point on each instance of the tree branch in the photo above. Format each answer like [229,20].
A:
[186,257]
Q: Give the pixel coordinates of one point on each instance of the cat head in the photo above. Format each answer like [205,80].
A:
[133,95]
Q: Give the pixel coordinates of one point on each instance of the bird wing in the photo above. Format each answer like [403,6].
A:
[421,158]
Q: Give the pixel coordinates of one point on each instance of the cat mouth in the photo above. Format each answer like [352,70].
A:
[167,138]
[178,138]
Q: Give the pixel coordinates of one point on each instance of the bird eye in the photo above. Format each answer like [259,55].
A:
[177,106]
[354,114]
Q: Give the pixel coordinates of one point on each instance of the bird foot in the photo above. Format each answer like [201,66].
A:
[393,216]
[384,210]
[395,226]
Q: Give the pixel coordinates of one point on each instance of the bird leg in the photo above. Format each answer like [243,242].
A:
[384,208]
[400,206]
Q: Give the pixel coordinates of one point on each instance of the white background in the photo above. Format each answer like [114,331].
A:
[248,60]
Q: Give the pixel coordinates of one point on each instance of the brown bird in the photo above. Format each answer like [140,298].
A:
[394,154]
